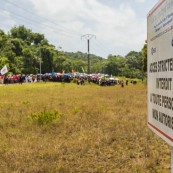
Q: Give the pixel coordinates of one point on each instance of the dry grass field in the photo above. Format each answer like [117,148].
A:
[66,128]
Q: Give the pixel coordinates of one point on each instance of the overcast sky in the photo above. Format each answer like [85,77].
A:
[120,26]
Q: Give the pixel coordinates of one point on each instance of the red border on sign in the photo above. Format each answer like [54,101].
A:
[168,137]
[152,11]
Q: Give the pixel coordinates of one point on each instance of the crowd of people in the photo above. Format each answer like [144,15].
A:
[11,79]
[79,78]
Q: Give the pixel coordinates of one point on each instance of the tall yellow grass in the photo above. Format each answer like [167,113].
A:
[100,130]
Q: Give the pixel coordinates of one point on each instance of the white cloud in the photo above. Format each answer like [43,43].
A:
[118,28]
[140,1]
[6,20]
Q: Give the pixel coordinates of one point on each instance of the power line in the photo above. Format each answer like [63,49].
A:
[51,25]
[63,29]
[103,47]
[31,21]
[97,48]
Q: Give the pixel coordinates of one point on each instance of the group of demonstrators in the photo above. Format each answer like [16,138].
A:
[78,78]
[11,79]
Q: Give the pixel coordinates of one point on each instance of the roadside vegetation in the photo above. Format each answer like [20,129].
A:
[67,128]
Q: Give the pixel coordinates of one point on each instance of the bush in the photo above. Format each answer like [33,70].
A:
[45,117]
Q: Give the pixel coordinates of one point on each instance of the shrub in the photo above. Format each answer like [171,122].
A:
[45,117]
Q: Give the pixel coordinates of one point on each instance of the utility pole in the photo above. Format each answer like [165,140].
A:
[40,60]
[88,37]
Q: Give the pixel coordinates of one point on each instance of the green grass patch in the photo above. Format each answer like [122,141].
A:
[45,117]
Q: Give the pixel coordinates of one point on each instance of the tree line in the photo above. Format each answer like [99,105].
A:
[23,50]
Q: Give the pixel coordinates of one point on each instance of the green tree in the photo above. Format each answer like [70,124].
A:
[144,60]
[58,62]
[67,66]
[96,65]
[77,65]
[27,60]
[114,65]
[37,38]
[23,49]
[7,51]
[134,63]
[22,33]
[134,60]
[3,40]
[4,61]
[17,46]
[18,65]
[47,53]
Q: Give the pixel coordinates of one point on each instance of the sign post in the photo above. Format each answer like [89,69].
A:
[160,71]
[171,159]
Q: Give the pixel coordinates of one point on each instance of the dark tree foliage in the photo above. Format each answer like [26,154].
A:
[144,60]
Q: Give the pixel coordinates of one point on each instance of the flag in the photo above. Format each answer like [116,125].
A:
[83,70]
[4,70]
